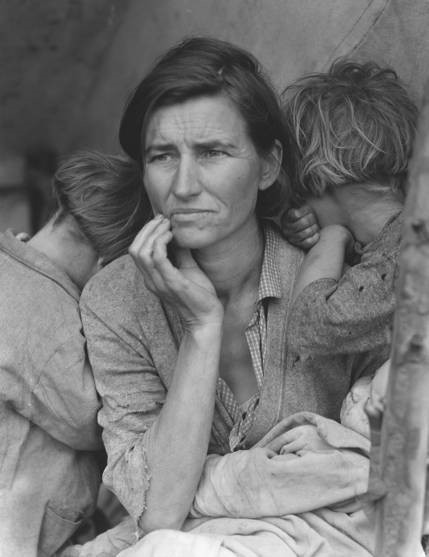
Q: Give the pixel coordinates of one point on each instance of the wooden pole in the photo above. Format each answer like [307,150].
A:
[405,428]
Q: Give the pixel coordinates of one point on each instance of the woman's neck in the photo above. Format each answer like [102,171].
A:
[234,265]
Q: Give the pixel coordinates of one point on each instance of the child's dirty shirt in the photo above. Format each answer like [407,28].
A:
[355,313]
[49,475]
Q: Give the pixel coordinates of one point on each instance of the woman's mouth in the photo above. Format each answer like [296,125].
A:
[188,214]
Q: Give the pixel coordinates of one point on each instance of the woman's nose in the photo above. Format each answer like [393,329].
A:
[186,182]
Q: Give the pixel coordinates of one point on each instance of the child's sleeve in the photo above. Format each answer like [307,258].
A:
[355,313]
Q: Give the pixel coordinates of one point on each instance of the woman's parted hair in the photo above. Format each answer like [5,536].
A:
[105,196]
[356,123]
[201,66]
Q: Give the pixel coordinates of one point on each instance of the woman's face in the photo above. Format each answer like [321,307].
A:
[202,171]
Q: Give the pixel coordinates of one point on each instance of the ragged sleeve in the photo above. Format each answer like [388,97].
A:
[132,395]
[354,314]
[45,375]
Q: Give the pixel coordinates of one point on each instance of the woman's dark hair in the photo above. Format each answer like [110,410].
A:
[202,66]
[105,196]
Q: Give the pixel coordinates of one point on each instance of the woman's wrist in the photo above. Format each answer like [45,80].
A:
[208,328]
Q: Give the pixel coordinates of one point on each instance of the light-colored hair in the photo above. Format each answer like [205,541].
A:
[354,124]
[105,196]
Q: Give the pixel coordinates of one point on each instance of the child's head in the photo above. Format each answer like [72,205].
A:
[353,124]
[104,196]
[365,391]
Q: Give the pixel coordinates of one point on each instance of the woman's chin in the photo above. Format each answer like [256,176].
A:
[191,239]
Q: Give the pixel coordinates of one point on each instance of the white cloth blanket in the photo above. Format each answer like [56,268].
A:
[261,503]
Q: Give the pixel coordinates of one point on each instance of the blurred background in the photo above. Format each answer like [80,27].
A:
[68,66]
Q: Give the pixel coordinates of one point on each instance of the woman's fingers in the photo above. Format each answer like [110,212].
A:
[283,439]
[156,232]
[142,247]
[184,285]
[168,273]
[292,447]
[145,235]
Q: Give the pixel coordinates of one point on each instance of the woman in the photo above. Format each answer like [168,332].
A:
[187,338]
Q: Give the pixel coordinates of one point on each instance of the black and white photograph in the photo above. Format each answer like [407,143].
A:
[214,278]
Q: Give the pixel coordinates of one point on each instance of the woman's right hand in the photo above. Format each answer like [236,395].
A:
[185,287]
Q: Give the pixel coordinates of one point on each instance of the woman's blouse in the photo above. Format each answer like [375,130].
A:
[133,342]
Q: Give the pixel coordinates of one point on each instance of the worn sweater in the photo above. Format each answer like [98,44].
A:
[49,475]
[133,342]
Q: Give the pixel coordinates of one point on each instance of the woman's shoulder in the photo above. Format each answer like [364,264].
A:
[285,253]
[117,286]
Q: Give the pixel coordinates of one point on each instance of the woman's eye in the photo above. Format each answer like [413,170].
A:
[160,157]
[213,153]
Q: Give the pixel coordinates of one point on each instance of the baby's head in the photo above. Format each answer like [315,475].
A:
[354,124]
[365,390]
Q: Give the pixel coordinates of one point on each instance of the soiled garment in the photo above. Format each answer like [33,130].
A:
[348,315]
[133,342]
[49,435]
[107,544]
[271,504]
[263,481]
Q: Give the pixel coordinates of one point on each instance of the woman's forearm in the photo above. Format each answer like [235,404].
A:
[179,439]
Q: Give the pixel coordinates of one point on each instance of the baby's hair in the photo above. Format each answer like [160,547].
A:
[356,123]
[105,196]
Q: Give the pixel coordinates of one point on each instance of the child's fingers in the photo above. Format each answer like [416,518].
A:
[305,233]
[297,225]
[308,243]
[22,236]
[297,213]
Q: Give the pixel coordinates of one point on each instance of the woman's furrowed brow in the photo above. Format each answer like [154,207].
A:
[159,147]
[214,144]
[203,144]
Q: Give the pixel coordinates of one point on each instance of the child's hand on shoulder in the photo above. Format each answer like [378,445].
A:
[300,227]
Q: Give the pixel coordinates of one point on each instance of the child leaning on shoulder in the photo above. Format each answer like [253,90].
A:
[352,132]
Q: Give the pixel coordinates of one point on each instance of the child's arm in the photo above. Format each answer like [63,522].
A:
[351,314]
[325,259]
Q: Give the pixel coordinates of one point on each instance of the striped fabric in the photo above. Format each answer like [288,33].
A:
[242,416]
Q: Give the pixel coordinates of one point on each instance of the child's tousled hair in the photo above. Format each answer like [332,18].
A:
[353,124]
[105,196]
